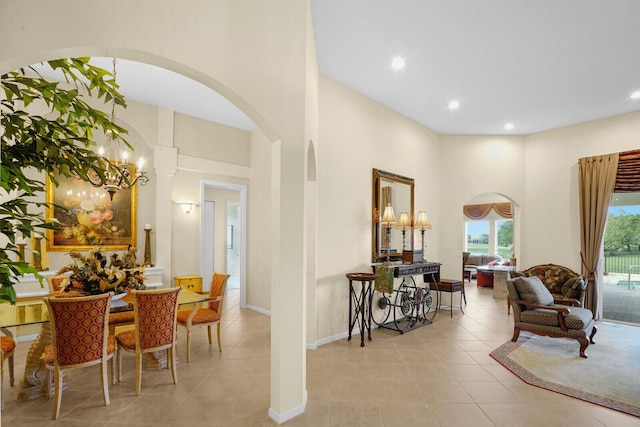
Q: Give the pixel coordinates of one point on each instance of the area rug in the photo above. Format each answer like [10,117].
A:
[608,377]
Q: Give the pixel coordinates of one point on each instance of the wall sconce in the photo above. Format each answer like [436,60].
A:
[403,223]
[388,219]
[422,223]
[187,207]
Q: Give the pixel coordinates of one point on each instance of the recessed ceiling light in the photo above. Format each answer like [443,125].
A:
[453,105]
[398,63]
[635,95]
[508,126]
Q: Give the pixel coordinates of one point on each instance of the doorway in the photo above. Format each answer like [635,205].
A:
[224,236]
[233,254]
[621,278]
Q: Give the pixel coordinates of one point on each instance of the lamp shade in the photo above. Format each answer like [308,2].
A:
[404,221]
[388,216]
[422,222]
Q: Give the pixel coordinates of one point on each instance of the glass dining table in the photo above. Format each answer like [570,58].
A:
[29,316]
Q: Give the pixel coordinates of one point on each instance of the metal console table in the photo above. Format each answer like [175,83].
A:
[412,305]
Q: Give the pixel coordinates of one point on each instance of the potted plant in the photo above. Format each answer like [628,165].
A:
[58,141]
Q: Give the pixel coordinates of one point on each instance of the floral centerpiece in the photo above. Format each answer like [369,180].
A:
[95,274]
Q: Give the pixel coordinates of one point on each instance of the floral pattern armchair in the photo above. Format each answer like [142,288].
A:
[563,283]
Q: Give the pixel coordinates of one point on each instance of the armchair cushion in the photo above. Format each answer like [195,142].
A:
[532,290]
[578,318]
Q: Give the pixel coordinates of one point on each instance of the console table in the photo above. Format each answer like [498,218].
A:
[409,306]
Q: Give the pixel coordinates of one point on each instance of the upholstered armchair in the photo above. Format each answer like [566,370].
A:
[562,282]
[535,310]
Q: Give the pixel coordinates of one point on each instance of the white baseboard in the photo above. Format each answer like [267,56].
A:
[291,413]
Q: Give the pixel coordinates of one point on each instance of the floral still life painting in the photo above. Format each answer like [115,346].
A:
[96,273]
[87,217]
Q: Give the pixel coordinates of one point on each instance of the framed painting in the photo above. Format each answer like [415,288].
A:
[87,217]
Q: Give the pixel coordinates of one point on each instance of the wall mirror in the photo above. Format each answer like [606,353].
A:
[395,191]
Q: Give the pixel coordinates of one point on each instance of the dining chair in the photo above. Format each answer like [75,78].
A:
[208,315]
[155,329]
[8,346]
[79,335]
[115,319]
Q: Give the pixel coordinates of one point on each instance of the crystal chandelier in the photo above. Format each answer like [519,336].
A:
[118,174]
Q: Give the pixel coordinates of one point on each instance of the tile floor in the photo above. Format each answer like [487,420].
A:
[438,375]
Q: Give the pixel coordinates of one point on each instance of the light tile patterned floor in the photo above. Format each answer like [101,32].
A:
[438,375]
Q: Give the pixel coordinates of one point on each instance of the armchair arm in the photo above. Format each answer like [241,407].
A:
[564,310]
[567,301]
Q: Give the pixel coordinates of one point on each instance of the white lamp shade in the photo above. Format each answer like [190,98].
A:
[404,221]
[422,222]
[388,217]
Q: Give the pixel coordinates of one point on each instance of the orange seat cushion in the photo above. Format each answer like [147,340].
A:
[127,339]
[203,315]
[121,318]
[7,344]
[48,350]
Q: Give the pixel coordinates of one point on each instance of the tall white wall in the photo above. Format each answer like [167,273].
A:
[254,54]
[473,166]
[551,230]
[357,135]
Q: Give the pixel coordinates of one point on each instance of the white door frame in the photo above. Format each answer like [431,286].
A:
[242,240]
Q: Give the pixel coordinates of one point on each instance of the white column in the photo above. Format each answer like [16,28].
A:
[166,164]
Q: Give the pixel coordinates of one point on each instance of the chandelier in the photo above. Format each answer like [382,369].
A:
[118,172]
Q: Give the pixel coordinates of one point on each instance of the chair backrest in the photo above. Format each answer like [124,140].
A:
[218,287]
[79,328]
[513,297]
[155,318]
[465,257]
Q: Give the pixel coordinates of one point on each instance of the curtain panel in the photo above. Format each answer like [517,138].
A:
[597,178]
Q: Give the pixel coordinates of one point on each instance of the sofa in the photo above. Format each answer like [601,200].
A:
[473,261]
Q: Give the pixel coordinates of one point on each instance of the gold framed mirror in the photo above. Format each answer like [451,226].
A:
[395,191]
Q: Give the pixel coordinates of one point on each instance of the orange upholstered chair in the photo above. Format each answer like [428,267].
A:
[8,346]
[79,333]
[115,319]
[208,315]
[155,329]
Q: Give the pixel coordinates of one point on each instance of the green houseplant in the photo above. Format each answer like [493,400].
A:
[46,126]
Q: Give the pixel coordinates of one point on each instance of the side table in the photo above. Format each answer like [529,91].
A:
[450,286]
[361,302]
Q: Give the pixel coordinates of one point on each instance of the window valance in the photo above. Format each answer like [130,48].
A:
[480,211]
[628,174]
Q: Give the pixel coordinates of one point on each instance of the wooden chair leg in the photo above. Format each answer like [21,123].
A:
[219,343]
[516,334]
[11,377]
[210,336]
[172,358]
[188,345]
[119,364]
[104,376]
[57,400]
[138,373]
[464,295]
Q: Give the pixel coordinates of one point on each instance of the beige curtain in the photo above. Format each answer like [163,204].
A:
[597,177]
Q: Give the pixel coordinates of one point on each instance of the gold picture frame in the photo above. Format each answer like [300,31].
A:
[87,217]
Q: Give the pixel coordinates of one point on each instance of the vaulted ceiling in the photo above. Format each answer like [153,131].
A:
[537,64]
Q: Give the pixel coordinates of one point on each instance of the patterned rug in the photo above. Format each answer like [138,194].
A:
[608,377]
